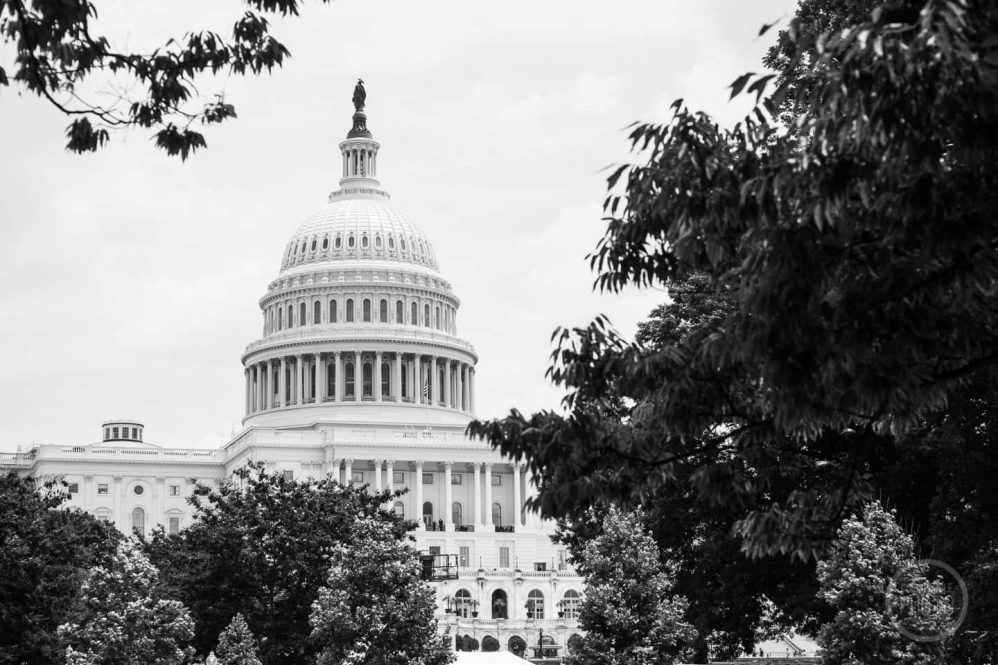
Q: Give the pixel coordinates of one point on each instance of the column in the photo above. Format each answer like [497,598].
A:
[464,387]
[397,378]
[320,379]
[448,497]
[282,383]
[300,386]
[377,376]
[488,496]
[348,475]
[434,381]
[447,395]
[471,393]
[459,401]
[338,378]
[269,385]
[390,475]
[120,518]
[333,467]
[160,502]
[358,386]
[477,466]
[377,474]
[517,508]
[418,482]
[246,374]
[418,373]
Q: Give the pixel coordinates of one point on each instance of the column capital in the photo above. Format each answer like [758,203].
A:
[449,463]
[390,463]
[348,460]
[477,465]
[419,465]
[378,463]
[488,466]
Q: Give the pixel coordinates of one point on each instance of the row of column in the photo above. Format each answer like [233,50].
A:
[309,377]
[480,517]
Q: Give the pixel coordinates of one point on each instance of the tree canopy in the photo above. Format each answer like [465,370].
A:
[375,609]
[856,251]
[46,551]
[59,53]
[261,545]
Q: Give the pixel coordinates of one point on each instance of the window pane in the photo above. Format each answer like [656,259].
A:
[455,479]
[398,477]
[174,525]
[427,478]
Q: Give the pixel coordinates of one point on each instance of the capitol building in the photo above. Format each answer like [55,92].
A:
[359,372]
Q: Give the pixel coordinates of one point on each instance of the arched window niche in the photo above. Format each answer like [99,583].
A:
[302,314]
[500,604]
[368,380]
[386,379]
[349,310]
[383,311]
[535,605]
[428,513]
[316,313]
[367,310]
[399,312]
[332,311]
[139,520]
[348,391]
[456,514]
[415,314]
[462,603]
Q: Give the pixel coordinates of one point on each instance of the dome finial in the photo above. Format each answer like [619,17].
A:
[359,117]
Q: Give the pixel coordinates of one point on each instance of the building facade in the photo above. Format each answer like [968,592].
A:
[359,373]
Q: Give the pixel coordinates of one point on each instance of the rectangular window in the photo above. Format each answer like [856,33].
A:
[464,556]
[504,557]
[174,525]
[540,567]
[496,480]
[135,433]
[114,432]
[357,476]
[427,478]
[174,490]
[455,479]
[102,488]
[103,518]
[289,475]
[398,477]
[74,488]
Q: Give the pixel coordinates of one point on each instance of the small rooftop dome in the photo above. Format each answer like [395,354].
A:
[122,429]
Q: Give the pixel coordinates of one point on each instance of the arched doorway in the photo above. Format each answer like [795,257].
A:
[500,605]
[139,520]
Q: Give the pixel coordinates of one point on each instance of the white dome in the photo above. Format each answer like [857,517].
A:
[358,227]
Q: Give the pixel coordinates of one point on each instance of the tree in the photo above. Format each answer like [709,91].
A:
[236,644]
[60,56]
[490,643]
[629,612]
[259,544]
[877,588]
[46,550]
[375,608]
[858,252]
[124,620]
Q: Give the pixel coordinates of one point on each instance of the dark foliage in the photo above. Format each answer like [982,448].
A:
[58,54]
[46,550]
[260,545]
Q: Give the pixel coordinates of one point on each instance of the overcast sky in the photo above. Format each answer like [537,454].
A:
[130,280]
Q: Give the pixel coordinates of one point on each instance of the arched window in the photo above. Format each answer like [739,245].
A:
[332,311]
[426,316]
[348,380]
[368,380]
[331,380]
[367,310]
[364,241]
[405,381]
[289,384]
[280,318]
[462,603]
[535,605]
[291,316]
[570,604]
[383,311]
[399,312]
[500,605]
[316,313]
[456,513]
[325,243]
[399,509]
[377,241]
[386,379]
[351,241]
[302,313]
[496,511]
[427,512]
[436,318]
[573,642]
[391,242]
[349,310]
[139,520]
[415,315]
[313,244]
[339,242]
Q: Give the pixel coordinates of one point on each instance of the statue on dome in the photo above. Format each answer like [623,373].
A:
[359,95]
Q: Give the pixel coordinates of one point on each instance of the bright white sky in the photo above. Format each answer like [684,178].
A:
[130,280]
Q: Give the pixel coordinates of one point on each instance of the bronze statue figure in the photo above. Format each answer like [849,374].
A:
[359,95]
